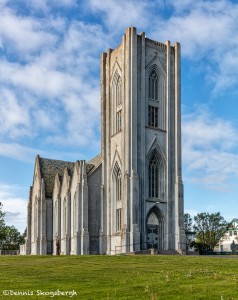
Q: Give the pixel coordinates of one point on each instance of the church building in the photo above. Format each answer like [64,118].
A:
[128,198]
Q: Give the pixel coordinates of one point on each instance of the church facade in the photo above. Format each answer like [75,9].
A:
[130,197]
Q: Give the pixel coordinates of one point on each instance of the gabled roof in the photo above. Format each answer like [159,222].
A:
[49,168]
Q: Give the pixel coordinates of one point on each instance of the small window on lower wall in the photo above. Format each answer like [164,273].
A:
[118,219]
[153,116]
[118,121]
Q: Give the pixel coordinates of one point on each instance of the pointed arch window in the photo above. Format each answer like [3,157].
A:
[154,177]
[153,85]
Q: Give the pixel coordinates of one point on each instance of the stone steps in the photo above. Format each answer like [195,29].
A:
[169,252]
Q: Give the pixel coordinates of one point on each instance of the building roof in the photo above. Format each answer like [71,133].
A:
[95,160]
[49,168]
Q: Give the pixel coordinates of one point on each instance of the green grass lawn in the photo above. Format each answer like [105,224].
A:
[120,277]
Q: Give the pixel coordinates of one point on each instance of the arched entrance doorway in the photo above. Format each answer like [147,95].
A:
[154,229]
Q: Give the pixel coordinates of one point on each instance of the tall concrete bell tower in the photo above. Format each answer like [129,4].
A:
[142,188]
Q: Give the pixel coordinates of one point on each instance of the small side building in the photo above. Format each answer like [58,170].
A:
[229,238]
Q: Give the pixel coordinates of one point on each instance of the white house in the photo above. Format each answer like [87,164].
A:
[230,237]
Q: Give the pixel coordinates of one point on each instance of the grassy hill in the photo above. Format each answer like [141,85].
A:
[119,277]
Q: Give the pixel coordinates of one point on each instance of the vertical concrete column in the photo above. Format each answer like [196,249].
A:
[103,204]
[134,138]
[73,218]
[68,222]
[76,243]
[80,242]
[29,220]
[58,216]
[80,213]
[102,249]
[141,172]
[131,135]
[37,221]
[179,201]
[43,241]
[107,171]
[133,99]
[103,81]
[127,132]
[85,234]
[124,237]
[168,103]
[177,89]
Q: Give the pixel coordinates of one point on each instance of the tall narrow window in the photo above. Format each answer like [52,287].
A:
[154,177]
[118,121]
[118,91]
[118,219]
[35,219]
[75,215]
[118,186]
[153,86]
[118,197]
[56,218]
[153,116]
[64,217]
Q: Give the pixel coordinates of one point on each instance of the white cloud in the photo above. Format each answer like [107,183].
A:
[52,87]
[18,152]
[49,89]
[206,30]
[192,212]
[45,5]
[14,117]
[210,150]
[23,34]
[14,206]
[118,15]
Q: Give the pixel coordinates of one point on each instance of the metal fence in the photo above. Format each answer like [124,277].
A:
[9,252]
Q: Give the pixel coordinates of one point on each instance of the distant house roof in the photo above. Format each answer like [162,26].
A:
[187,232]
[49,168]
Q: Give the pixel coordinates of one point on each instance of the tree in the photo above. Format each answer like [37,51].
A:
[2,223]
[188,222]
[10,237]
[209,229]
[2,214]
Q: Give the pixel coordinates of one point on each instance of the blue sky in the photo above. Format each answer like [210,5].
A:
[50,97]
